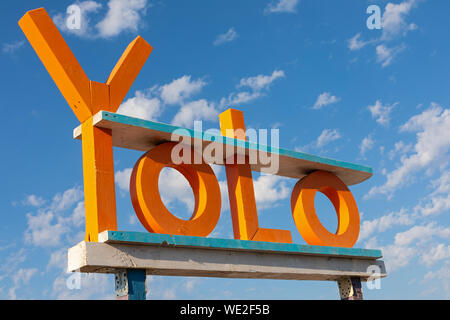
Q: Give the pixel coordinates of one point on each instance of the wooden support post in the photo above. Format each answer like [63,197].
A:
[131,284]
[350,288]
[99,188]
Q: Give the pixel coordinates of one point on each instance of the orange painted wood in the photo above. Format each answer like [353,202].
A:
[126,71]
[86,98]
[99,96]
[146,199]
[59,60]
[306,219]
[98,173]
[273,235]
[240,189]
[242,201]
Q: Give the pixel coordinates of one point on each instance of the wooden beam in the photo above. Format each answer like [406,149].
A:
[59,61]
[98,175]
[126,71]
[143,135]
[157,239]
[188,259]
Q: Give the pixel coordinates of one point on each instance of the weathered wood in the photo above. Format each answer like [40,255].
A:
[131,284]
[59,60]
[156,239]
[189,260]
[98,176]
[126,71]
[143,135]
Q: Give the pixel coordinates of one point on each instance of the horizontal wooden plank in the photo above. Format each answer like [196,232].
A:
[155,239]
[97,257]
[143,135]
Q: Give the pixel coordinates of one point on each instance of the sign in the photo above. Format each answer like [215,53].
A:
[93,103]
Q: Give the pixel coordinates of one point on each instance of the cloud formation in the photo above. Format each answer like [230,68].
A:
[324,99]
[229,36]
[282,6]
[431,150]
[121,16]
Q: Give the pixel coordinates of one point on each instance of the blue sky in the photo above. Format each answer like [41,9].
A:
[310,68]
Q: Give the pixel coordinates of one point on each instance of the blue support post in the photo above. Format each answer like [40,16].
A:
[131,284]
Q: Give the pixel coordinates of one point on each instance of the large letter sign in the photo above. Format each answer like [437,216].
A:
[95,104]
[147,203]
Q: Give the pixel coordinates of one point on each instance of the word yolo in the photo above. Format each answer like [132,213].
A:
[221,153]
[155,217]
[87,98]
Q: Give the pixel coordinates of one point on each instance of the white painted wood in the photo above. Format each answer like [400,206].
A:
[95,257]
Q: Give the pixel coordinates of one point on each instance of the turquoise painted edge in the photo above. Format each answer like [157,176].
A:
[176,240]
[119,118]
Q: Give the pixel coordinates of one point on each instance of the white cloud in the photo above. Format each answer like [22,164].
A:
[258,84]
[393,19]
[235,99]
[195,110]
[279,6]
[223,184]
[11,263]
[327,136]
[396,256]
[122,178]
[394,25]
[87,8]
[442,184]
[67,199]
[422,233]
[381,113]
[174,187]
[383,223]
[58,259]
[325,99]
[141,106]
[33,200]
[42,231]
[261,81]
[229,36]
[180,89]
[78,214]
[400,148]
[386,55]
[366,145]
[432,146]
[439,200]
[269,189]
[122,15]
[47,227]
[443,277]
[414,242]
[355,44]
[21,277]
[436,254]
[92,286]
[190,284]
[151,103]
[10,48]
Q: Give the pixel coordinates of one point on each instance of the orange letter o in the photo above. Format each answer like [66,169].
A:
[152,212]
[305,217]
